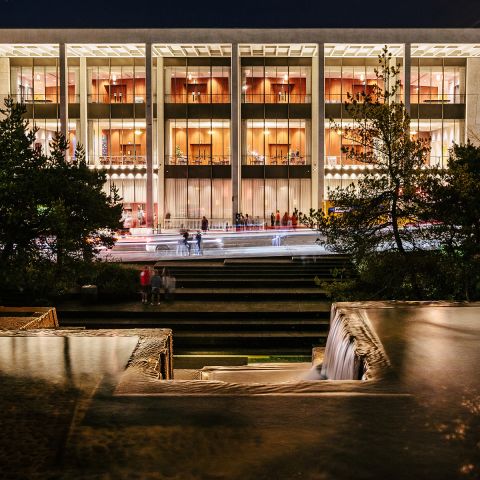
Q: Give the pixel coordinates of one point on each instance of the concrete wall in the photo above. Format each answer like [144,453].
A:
[473,100]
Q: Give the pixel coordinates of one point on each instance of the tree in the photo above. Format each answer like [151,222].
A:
[50,207]
[389,193]
[386,196]
[454,200]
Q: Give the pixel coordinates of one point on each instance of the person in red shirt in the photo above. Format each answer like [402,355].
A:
[145,278]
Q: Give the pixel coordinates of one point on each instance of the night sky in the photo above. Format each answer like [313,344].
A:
[244,13]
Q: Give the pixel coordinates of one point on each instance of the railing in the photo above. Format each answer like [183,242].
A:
[292,159]
[342,162]
[197,160]
[276,98]
[114,160]
[116,98]
[197,97]
[437,99]
[178,223]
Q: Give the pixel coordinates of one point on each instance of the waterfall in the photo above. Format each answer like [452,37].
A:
[341,361]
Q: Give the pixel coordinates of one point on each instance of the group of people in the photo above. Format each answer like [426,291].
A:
[244,222]
[287,221]
[152,285]
[185,245]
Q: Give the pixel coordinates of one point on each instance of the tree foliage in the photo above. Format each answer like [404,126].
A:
[407,227]
[51,208]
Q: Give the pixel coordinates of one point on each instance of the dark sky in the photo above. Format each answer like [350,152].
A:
[242,13]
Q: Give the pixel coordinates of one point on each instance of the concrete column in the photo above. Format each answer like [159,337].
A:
[83,99]
[63,89]
[315,129]
[407,69]
[235,153]
[149,133]
[472,101]
[318,127]
[160,141]
[4,79]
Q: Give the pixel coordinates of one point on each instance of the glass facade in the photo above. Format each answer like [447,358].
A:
[276,84]
[197,84]
[116,82]
[197,142]
[35,81]
[440,83]
[117,142]
[278,160]
[276,142]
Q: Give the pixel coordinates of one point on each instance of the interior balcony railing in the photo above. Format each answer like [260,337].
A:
[290,159]
[108,161]
[339,162]
[279,97]
[435,99]
[116,97]
[197,98]
[197,160]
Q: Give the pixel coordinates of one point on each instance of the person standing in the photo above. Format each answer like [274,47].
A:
[277,219]
[145,279]
[272,220]
[198,238]
[186,238]
[204,223]
[294,219]
[140,216]
[156,284]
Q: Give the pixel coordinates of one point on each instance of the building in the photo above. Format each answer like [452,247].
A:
[212,122]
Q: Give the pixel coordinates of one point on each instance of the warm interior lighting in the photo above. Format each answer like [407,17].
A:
[244,87]
[189,76]
[138,132]
[413,132]
[266,132]
[210,132]
[285,77]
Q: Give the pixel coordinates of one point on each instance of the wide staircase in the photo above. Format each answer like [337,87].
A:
[262,306]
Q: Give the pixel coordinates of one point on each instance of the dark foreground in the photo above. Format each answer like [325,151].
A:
[61,416]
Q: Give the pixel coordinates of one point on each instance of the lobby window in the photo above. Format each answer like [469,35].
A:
[36,82]
[112,82]
[276,84]
[276,142]
[197,142]
[117,142]
[194,197]
[262,197]
[437,83]
[197,84]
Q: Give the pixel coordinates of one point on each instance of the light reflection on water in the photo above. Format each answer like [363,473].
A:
[64,359]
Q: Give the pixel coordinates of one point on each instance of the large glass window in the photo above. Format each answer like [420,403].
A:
[440,135]
[273,84]
[437,84]
[132,189]
[117,83]
[262,197]
[36,83]
[117,142]
[336,139]
[342,78]
[197,84]
[195,197]
[197,142]
[276,142]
